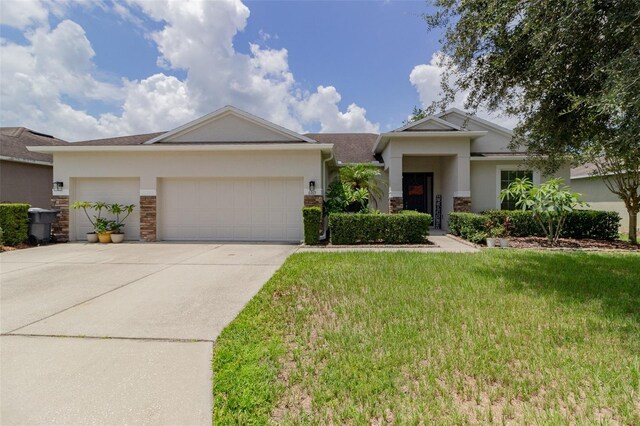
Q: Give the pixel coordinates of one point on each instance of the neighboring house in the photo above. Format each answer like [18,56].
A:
[25,176]
[595,192]
[233,176]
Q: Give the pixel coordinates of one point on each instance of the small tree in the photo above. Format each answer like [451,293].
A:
[550,202]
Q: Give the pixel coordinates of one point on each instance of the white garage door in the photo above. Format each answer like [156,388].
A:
[110,190]
[231,209]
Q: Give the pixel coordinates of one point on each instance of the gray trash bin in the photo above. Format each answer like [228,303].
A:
[40,221]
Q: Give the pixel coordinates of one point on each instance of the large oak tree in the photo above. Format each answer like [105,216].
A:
[570,70]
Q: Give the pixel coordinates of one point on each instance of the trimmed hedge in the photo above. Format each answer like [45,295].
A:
[311,216]
[470,226]
[14,221]
[409,228]
[595,224]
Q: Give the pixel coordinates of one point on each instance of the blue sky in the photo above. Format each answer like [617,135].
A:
[94,69]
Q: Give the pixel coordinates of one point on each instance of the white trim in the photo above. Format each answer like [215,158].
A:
[185,147]
[62,192]
[395,193]
[596,175]
[227,110]
[478,120]
[512,167]
[148,192]
[384,138]
[25,161]
[462,194]
[500,158]
[424,120]
[372,163]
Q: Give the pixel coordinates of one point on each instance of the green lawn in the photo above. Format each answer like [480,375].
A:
[495,337]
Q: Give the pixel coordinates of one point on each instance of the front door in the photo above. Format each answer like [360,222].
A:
[417,192]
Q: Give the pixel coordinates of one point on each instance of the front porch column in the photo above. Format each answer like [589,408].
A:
[462,195]
[396,202]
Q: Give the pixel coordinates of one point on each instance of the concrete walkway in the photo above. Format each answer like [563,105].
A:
[120,334]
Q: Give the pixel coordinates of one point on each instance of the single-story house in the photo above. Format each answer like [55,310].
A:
[26,176]
[595,192]
[233,176]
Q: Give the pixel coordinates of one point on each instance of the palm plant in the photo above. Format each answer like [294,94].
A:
[363,177]
[118,209]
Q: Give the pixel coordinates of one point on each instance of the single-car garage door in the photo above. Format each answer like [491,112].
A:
[230,209]
[110,190]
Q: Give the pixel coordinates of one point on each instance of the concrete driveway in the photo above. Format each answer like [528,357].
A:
[114,334]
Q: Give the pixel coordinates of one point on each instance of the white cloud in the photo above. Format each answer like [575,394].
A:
[322,106]
[197,36]
[22,14]
[426,79]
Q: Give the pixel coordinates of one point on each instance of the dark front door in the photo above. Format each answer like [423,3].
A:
[417,192]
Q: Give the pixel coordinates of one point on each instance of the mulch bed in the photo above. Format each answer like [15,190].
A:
[327,244]
[12,248]
[572,244]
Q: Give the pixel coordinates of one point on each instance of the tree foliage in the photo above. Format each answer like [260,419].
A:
[416,115]
[567,69]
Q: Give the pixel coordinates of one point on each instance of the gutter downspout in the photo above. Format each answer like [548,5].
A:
[324,178]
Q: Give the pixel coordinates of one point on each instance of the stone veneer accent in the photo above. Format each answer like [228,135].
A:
[148,222]
[60,228]
[313,201]
[396,204]
[462,204]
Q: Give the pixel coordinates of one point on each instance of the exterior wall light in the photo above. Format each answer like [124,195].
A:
[57,186]
[312,187]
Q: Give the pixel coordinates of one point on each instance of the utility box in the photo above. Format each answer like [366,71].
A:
[40,221]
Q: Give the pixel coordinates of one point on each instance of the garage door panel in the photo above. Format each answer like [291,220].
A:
[110,190]
[231,209]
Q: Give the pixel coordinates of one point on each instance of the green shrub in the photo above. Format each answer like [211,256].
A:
[14,221]
[522,222]
[411,228]
[595,224]
[311,216]
[465,224]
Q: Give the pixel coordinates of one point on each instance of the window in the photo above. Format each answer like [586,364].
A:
[508,176]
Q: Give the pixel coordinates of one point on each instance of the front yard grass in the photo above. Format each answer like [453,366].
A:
[409,338]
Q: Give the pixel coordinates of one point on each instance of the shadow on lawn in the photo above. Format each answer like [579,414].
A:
[577,278]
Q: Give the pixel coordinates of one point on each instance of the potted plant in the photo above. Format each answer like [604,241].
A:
[506,226]
[494,232]
[117,236]
[92,237]
[104,229]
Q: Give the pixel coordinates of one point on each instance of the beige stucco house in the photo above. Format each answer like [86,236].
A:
[233,176]
[595,192]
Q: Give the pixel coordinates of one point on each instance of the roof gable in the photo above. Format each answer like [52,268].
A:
[471,122]
[430,123]
[229,125]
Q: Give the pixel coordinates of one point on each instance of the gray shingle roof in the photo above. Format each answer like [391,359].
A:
[350,147]
[15,140]
[121,140]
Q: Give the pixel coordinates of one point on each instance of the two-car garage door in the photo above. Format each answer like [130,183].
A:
[251,209]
